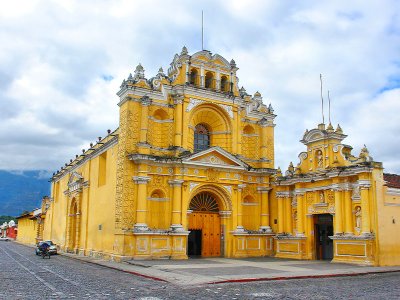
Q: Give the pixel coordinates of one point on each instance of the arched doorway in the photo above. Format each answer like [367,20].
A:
[72,225]
[204,225]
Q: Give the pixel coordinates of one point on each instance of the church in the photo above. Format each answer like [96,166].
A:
[190,172]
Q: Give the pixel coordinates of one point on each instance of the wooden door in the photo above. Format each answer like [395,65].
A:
[210,226]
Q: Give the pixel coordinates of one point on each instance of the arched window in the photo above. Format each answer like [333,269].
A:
[248,129]
[204,202]
[224,84]
[193,77]
[209,84]
[201,138]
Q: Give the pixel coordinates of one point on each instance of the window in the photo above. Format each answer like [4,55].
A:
[102,169]
[193,77]
[201,138]
[224,84]
[209,84]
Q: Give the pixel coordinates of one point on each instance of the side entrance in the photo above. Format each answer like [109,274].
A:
[205,226]
[323,228]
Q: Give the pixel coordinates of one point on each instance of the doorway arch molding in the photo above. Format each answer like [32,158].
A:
[221,196]
[74,222]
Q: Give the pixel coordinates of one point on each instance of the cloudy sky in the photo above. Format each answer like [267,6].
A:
[62,62]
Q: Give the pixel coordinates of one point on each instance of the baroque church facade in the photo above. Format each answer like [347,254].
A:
[190,172]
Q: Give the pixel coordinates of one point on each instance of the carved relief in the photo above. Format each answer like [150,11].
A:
[249,190]
[320,159]
[192,185]
[356,193]
[330,198]
[125,197]
[212,174]
[303,156]
[310,198]
[270,148]
[158,182]
[228,188]
[294,201]
[228,109]
[321,197]
[213,160]
[193,103]
[358,216]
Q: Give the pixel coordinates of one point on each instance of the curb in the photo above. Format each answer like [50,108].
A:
[67,255]
[114,268]
[302,277]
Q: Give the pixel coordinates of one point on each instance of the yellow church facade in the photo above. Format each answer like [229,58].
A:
[336,206]
[190,172]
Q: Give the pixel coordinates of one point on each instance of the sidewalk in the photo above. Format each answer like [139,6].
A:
[223,270]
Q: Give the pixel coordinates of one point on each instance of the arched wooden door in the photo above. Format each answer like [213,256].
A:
[72,227]
[204,226]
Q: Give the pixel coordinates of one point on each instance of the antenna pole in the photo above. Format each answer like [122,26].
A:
[322,100]
[329,102]
[202,31]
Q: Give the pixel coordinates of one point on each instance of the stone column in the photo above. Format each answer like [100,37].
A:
[264,140]
[202,76]
[217,80]
[280,214]
[178,101]
[176,221]
[265,226]
[187,71]
[365,213]
[141,208]
[288,215]
[348,216]
[239,227]
[338,226]
[300,214]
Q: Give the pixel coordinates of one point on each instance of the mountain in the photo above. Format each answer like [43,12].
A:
[22,190]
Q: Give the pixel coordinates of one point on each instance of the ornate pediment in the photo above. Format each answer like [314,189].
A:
[320,134]
[75,177]
[76,183]
[217,157]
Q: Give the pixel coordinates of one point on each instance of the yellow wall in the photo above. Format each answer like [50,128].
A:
[27,230]
[97,206]
[388,223]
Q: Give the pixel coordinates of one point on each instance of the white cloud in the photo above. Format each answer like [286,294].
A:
[62,65]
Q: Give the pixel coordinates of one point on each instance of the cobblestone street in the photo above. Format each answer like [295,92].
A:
[23,275]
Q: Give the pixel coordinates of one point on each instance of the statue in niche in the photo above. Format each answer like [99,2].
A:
[358,215]
[320,161]
[321,197]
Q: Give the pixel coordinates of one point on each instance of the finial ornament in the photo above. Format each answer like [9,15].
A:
[330,128]
[270,109]
[291,168]
[184,51]
[160,73]
[233,64]
[242,92]
[364,155]
[279,172]
[139,72]
[339,129]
